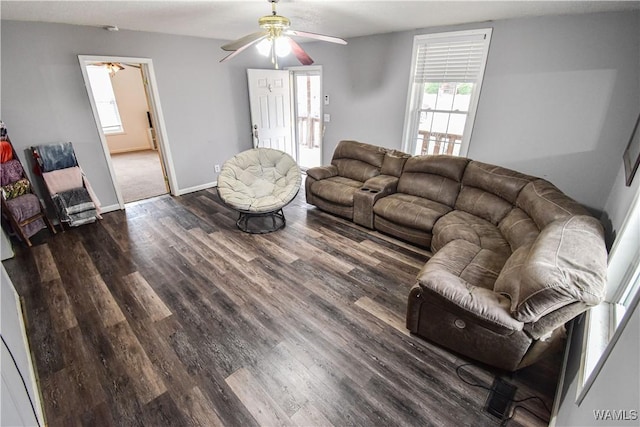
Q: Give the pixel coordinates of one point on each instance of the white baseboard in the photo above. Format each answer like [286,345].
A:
[188,190]
[110,208]
[131,150]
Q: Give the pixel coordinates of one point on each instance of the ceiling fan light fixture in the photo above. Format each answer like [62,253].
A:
[283,48]
[274,39]
[264,47]
[113,68]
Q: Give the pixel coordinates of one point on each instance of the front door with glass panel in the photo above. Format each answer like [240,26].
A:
[270,102]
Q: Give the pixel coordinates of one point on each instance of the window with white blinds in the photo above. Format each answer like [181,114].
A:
[444,86]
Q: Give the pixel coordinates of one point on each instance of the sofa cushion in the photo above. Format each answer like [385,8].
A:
[465,226]
[518,228]
[410,211]
[409,234]
[545,203]
[566,263]
[483,204]
[337,189]
[502,182]
[464,273]
[473,264]
[433,177]
[489,191]
[393,163]
[322,172]
[509,281]
[358,161]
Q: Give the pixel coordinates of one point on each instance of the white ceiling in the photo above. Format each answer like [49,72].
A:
[231,19]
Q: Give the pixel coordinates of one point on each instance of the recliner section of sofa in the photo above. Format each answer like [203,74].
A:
[332,187]
[514,257]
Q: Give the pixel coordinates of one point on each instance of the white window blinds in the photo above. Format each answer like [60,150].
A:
[450,59]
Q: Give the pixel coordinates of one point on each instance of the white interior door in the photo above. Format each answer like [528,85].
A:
[270,99]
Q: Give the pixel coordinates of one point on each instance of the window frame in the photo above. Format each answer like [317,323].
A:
[606,322]
[117,129]
[416,90]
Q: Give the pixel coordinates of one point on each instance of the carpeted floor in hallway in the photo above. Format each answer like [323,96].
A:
[139,175]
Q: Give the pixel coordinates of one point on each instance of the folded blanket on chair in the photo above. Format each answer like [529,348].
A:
[10,171]
[56,156]
[24,207]
[82,218]
[15,189]
[72,203]
[63,179]
[69,178]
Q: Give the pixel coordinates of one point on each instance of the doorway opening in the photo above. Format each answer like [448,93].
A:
[308,102]
[129,121]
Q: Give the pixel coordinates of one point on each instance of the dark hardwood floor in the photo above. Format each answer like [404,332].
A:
[167,314]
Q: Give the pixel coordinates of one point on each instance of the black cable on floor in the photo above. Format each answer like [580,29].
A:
[513,414]
[24,384]
[469,382]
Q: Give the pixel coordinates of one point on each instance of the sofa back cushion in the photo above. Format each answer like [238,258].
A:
[545,203]
[433,177]
[567,263]
[358,161]
[393,163]
[490,191]
[518,228]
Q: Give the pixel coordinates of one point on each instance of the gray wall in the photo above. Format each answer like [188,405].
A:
[44,99]
[560,96]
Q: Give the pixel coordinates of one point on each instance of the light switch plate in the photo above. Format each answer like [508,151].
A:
[327,118]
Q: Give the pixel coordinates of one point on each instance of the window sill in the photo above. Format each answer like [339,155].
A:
[600,337]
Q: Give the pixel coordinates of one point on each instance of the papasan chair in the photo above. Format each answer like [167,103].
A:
[258,183]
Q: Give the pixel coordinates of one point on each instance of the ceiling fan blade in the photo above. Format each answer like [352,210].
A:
[248,39]
[242,48]
[322,37]
[297,50]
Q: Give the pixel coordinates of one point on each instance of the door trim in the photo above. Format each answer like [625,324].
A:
[156,111]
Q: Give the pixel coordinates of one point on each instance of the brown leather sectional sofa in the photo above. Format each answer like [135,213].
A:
[514,258]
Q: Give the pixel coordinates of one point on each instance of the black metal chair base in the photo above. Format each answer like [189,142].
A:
[261,223]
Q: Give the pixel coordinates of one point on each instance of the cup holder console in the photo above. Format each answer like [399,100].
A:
[369,190]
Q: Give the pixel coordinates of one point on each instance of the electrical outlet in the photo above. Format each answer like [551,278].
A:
[217,168]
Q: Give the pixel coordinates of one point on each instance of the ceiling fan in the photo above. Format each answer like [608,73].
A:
[114,67]
[274,39]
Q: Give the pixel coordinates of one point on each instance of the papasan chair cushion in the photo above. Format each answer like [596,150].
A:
[259,181]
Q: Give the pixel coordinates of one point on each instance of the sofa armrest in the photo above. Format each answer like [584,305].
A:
[372,190]
[386,184]
[322,172]
[488,306]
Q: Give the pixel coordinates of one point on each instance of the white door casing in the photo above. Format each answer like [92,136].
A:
[271,113]
[155,109]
